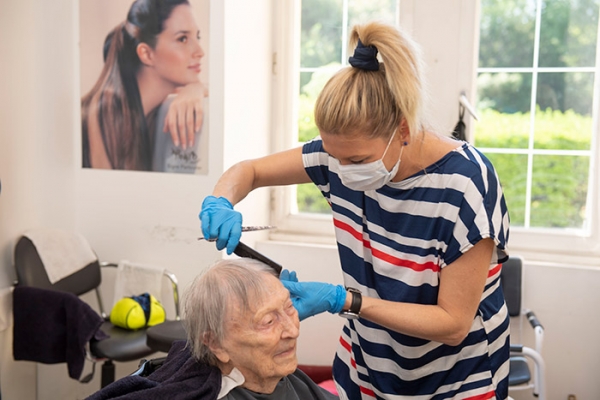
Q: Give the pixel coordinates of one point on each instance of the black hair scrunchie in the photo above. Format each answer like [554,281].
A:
[365,57]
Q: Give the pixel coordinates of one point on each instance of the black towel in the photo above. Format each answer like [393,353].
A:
[53,327]
[180,377]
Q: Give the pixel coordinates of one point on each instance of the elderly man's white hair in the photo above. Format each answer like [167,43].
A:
[205,303]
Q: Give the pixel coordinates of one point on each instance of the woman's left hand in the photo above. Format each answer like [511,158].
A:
[186,113]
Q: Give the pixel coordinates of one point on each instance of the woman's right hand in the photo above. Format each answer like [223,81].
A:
[221,222]
[186,113]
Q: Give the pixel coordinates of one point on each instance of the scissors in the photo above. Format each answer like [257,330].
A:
[247,229]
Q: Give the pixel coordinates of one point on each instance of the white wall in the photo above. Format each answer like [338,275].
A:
[36,145]
[565,298]
[145,217]
[153,217]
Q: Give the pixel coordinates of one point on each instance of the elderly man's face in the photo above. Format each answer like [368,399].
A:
[261,342]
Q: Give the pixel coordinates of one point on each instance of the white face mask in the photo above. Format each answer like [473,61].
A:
[369,176]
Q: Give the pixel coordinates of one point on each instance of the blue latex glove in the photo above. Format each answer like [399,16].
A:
[286,275]
[312,298]
[221,221]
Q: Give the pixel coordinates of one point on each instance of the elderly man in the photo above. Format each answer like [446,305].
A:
[240,318]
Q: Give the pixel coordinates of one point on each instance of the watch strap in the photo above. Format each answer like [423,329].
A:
[355,304]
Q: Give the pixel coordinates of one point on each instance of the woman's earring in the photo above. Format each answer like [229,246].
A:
[405,144]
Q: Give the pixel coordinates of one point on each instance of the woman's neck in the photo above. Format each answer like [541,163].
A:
[422,151]
[153,89]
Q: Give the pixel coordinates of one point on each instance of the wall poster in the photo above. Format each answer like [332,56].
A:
[144,85]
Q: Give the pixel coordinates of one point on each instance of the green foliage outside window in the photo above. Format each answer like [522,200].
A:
[311,200]
[560,182]
[307,129]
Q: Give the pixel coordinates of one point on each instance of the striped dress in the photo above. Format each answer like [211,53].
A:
[393,243]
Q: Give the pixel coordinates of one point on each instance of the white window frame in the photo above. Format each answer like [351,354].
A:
[569,245]
[574,246]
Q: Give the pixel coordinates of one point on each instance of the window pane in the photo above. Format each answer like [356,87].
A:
[504,131]
[504,101]
[321,32]
[306,123]
[566,91]
[507,33]
[559,191]
[305,77]
[311,200]
[568,33]
[512,171]
[504,92]
[564,116]
[360,11]
[312,83]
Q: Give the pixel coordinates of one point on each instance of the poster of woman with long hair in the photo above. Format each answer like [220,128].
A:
[144,75]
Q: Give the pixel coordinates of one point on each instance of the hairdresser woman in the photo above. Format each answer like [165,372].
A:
[421,225]
[154,53]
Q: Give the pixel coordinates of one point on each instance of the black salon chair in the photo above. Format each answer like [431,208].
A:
[161,336]
[122,345]
[523,359]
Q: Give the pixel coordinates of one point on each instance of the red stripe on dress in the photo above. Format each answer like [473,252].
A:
[345,344]
[345,227]
[385,256]
[367,391]
[363,389]
[483,396]
[348,347]
[494,270]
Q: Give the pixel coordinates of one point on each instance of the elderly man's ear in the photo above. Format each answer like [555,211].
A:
[216,348]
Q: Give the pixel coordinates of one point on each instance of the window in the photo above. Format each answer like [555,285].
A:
[538,99]
[537,67]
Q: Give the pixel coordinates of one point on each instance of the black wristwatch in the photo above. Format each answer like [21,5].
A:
[354,311]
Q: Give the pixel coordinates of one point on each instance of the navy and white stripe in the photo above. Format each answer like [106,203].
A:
[393,243]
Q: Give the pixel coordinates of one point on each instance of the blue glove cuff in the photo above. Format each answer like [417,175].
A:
[340,299]
[212,200]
